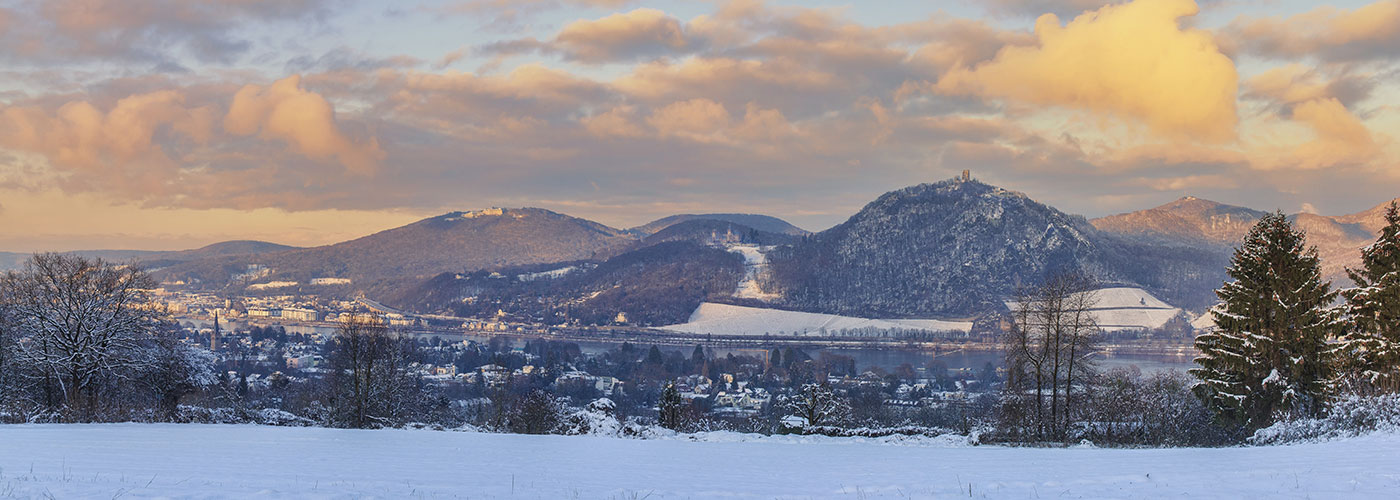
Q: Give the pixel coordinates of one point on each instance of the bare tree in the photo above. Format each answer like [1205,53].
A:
[1048,354]
[82,323]
[818,405]
[368,376]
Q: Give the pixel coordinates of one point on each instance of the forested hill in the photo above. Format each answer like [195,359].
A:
[960,247]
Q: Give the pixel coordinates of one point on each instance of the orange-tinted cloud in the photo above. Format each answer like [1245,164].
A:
[697,119]
[80,136]
[1133,60]
[635,34]
[303,119]
[1368,32]
[1340,137]
[1304,97]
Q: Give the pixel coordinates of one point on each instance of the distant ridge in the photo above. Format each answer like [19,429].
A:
[1188,218]
[1196,222]
[160,258]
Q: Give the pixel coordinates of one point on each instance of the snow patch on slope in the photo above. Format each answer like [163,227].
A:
[550,274]
[755,264]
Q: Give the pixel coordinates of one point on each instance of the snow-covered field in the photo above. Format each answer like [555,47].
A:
[724,319]
[240,461]
[1124,308]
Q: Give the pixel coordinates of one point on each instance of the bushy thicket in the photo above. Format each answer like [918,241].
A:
[1348,416]
[1125,407]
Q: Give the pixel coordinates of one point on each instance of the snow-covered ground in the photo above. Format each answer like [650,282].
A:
[242,461]
[724,319]
[1124,308]
[755,264]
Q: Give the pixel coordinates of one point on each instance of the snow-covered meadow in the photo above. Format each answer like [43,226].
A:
[240,461]
[726,319]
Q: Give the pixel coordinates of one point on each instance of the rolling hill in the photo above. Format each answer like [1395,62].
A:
[763,223]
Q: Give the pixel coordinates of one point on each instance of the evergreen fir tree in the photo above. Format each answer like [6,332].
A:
[671,408]
[1370,350]
[1269,352]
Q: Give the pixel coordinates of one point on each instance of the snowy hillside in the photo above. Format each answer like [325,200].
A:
[244,461]
[724,319]
[1125,308]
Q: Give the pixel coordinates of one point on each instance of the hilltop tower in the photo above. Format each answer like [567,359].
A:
[967,175]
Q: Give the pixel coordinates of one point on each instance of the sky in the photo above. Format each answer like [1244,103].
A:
[169,124]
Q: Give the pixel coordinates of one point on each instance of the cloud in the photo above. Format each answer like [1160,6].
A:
[616,122]
[1294,83]
[1035,8]
[81,137]
[638,34]
[511,15]
[696,119]
[1304,97]
[1340,137]
[161,32]
[1132,60]
[303,119]
[195,146]
[965,43]
[1369,32]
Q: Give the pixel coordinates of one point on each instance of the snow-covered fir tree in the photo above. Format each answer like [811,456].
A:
[1269,354]
[1370,350]
[671,410]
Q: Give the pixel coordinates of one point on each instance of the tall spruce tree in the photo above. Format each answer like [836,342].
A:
[1269,352]
[1369,352]
[671,408]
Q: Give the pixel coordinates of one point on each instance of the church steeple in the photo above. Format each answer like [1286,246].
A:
[214,336]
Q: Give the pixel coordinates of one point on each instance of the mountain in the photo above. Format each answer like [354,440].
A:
[1186,219]
[957,247]
[760,222]
[655,285]
[1339,239]
[1204,224]
[452,242]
